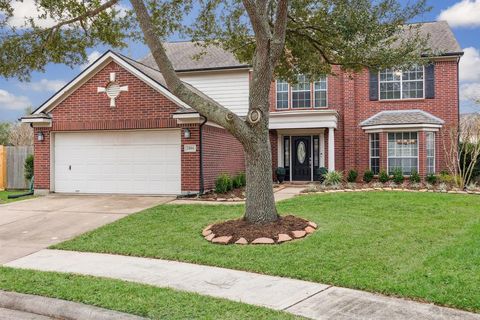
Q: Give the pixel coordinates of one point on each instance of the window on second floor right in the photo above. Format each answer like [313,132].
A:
[398,84]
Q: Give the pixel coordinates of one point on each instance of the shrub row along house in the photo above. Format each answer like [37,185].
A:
[116,128]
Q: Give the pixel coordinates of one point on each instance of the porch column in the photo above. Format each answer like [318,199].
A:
[331,149]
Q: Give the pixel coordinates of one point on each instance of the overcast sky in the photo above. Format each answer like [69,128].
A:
[463,16]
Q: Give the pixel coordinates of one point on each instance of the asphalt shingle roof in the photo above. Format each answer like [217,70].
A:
[401,117]
[182,54]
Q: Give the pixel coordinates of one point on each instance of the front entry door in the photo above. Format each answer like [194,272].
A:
[301,159]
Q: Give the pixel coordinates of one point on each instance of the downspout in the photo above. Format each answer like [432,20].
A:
[200,151]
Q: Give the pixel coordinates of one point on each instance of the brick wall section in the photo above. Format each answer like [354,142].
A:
[222,153]
[141,107]
[348,94]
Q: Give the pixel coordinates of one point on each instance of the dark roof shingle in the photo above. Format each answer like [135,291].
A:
[182,54]
[401,117]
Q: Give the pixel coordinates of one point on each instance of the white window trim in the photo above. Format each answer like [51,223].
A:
[418,151]
[312,96]
[401,88]
[434,151]
[370,150]
[288,96]
[326,94]
[290,106]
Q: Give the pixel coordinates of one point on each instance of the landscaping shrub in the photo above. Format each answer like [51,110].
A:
[29,167]
[239,180]
[383,176]
[333,178]
[223,183]
[398,176]
[431,178]
[352,176]
[446,177]
[368,176]
[415,177]
[320,174]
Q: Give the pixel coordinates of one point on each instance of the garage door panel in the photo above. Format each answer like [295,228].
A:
[137,162]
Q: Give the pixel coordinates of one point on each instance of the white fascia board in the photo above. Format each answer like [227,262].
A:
[38,122]
[193,118]
[402,127]
[92,70]
[303,119]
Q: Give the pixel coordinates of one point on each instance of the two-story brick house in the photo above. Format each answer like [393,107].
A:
[116,128]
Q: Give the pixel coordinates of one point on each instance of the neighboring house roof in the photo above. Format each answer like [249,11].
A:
[401,117]
[183,57]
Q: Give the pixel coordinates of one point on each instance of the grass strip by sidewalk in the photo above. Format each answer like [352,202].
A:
[128,297]
[421,246]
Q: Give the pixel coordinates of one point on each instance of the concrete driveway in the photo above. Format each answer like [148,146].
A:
[31,225]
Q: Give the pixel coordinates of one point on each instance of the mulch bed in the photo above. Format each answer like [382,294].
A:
[237,229]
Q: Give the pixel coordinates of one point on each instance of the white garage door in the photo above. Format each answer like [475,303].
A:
[130,162]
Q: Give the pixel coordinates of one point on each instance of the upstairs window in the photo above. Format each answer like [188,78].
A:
[398,84]
[301,93]
[282,94]
[320,91]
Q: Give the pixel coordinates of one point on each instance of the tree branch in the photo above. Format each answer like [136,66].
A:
[279,32]
[205,106]
[84,16]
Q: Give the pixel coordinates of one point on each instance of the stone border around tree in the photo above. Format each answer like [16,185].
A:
[282,237]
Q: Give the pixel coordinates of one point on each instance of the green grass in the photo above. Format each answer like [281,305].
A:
[142,300]
[423,246]
[4,196]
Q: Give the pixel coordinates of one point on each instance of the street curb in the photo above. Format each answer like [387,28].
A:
[60,309]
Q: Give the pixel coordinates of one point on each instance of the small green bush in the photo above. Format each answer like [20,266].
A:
[223,183]
[398,176]
[29,167]
[368,176]
[431,178]
[383,176]
[239,180]
[320,173]
[445,177]
[333,178]
[415,177]
[352,176]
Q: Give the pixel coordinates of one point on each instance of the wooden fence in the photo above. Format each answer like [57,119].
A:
[12,167]
[3,168]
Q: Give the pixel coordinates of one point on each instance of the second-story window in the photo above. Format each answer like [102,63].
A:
[397,84]
[282,94]
[320,88]
[301,93]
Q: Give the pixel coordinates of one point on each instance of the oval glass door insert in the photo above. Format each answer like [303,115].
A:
[301,152]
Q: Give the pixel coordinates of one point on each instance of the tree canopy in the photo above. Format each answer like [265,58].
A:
[350,33]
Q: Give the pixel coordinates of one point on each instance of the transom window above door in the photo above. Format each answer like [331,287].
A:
[302,95]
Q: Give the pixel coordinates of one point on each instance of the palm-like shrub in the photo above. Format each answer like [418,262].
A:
[333,178]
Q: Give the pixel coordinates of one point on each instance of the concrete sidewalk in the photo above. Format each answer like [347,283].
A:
[308,299]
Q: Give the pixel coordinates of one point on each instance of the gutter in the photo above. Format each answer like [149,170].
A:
[202,184]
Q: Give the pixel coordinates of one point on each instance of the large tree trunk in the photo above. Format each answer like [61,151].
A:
[253,132]
[260,202]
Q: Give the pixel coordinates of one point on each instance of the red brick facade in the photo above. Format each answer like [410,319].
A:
[348,94]
[141,107]
[222,153]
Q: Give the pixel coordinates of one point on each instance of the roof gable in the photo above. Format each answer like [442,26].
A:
[151,77]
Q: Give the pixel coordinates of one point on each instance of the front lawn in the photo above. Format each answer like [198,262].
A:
[4,196]
[424,246]
[138,299]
